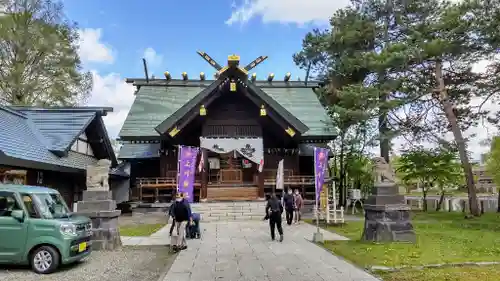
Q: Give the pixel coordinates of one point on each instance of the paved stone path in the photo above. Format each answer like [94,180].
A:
[160,237]
[239,251]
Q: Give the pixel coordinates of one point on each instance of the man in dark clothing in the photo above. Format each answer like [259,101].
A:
[288,202]
[274,209]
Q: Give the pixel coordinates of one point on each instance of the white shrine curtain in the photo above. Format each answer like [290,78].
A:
[250,148]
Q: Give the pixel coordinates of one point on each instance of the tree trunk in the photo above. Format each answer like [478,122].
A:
[341,172]
[424,196]
[440,203]
[385,144]
[498,202]
[459,139]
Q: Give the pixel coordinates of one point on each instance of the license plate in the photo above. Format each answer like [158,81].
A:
[82,247]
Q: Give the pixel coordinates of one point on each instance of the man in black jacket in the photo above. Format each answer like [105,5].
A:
[288,202]
[274,209]
[182,215]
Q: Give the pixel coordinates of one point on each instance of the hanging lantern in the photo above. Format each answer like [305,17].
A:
[232,86]
[263,111]
[203,110]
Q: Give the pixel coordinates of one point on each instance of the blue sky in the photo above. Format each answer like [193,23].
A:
[115,35]
[177,31]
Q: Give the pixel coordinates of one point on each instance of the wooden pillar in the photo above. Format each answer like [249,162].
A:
[260,184]
[204,175]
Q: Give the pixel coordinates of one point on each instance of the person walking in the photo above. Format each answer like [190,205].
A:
[299,203]
[288,202]
[182,216]
[274,209]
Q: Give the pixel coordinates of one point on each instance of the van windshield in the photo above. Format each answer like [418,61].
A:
[51,205]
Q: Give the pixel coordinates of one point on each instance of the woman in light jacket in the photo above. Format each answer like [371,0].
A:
[298,203]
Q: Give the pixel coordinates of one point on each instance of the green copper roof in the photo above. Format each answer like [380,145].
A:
[153,104]
[304,104]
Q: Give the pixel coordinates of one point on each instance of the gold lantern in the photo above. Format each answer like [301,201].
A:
[203,110]
[263,111]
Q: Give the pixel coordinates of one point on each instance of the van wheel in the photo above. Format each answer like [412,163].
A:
[45,260]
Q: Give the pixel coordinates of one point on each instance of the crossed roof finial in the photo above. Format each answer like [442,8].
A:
[231,58]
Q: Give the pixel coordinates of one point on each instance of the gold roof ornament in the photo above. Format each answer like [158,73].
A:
[184,76]
[167,75]
[202,76]
[233,60]
[287,76]
[270,77]
[254,77]
[263,111]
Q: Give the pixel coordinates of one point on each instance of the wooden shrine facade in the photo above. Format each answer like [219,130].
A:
[231,111]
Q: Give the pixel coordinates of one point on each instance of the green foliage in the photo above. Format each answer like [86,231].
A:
[39,63]
[430,167]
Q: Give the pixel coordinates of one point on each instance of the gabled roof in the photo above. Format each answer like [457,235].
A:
[159,99]
[27,142]
[60,129]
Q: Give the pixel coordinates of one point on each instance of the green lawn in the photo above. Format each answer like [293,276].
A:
[140,229]
[466,273]
[442,237]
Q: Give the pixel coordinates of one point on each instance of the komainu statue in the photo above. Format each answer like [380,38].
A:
[98,174]
[382,171]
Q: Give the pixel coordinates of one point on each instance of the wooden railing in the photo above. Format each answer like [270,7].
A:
[291,180]
[163,182]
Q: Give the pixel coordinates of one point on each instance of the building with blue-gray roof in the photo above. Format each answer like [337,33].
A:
[52,147]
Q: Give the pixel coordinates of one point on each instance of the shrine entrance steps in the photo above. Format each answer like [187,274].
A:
[230,211]
[232,193]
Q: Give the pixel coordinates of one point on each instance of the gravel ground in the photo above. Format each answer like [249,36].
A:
[128,264]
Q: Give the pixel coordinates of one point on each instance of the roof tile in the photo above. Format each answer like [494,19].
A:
[20,139]
[154,104]
[139,150]
[60,128]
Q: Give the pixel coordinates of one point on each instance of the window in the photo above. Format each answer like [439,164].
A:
[30,205]
[81,146]
[8,203]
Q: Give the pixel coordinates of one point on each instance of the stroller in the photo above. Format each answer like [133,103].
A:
[193,230]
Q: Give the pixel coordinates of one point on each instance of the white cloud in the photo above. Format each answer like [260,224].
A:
[286,11]
[111,90]
[92,50]
[152,57]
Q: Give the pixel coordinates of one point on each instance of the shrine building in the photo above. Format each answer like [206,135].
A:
[237,120]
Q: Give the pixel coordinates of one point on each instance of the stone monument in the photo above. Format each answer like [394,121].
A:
[387,216]
[99,206]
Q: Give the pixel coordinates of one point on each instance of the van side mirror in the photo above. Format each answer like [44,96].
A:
[18,215]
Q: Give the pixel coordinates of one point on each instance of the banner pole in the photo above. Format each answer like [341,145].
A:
[178,168]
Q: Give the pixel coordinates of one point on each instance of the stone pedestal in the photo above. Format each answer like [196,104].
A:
[99,206]
[318,237]
[387,217]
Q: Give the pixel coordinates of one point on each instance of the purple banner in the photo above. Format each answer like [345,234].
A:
[186,170]
[320,162]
